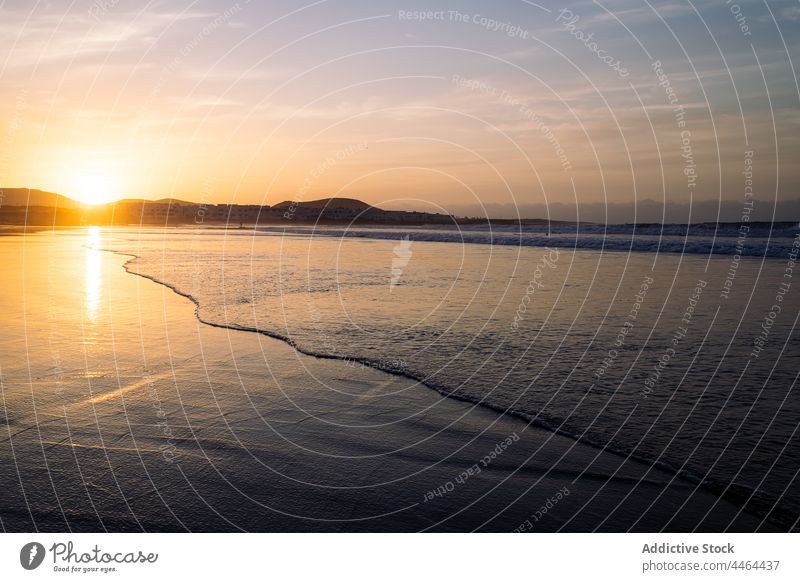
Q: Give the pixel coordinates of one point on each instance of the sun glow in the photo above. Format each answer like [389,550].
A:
[94,186]
[93,279]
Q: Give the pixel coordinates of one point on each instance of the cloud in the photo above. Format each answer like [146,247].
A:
[32,39]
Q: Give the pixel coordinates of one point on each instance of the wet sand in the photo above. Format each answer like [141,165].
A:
[122,412]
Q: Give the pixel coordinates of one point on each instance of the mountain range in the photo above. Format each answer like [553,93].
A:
[27,197]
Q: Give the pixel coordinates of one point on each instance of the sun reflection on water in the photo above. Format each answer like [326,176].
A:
[93,272]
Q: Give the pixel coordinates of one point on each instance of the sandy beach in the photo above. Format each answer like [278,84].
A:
[122,412]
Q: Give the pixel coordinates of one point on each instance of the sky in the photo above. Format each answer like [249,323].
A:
[499,108]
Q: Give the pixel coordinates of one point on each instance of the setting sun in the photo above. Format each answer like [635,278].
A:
[94,186]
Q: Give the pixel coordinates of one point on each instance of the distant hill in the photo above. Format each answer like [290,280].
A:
[26,197]
[327,203]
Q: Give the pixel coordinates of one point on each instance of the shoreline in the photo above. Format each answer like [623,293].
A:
[731,494]
[304,455]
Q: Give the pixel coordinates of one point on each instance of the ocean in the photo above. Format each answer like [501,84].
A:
[672,346]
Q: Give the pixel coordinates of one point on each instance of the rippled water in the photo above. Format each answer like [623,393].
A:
[686,360]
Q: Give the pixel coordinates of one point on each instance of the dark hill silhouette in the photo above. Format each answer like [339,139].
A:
[36,208]
[349,203]
[28,197]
